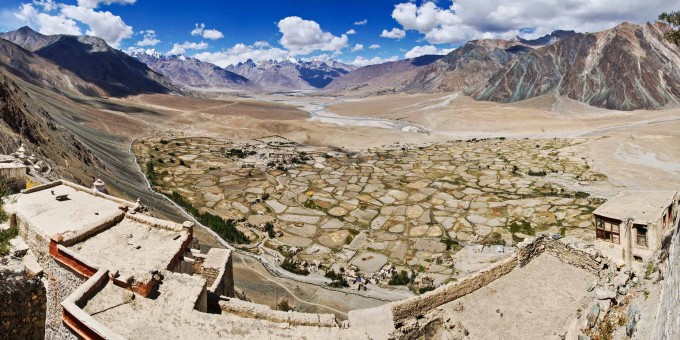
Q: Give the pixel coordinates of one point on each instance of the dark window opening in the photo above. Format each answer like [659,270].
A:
[641,236]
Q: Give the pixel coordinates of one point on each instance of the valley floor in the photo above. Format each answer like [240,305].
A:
[635,150]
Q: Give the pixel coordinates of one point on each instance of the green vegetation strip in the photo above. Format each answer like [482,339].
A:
[225,228]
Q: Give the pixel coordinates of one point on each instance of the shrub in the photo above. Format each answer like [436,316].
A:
[284,306]
[289,265]
[400,279]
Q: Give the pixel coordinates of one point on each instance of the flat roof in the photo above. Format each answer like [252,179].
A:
[171,315]
[80,211]
[131,247]
[11,165]
[642,206]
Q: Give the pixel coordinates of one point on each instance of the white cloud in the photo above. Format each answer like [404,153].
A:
[149,38]
[261,44]
[105,25]
[351,31]
[395,33]
[47,5]
[361,61]
[182,48]
[305,36]
[428,49]
[211,34]
[241,52]
[198,30]
[361,23]
[45,23]
[374,46]
[95,3]
[357,47]
[464,20]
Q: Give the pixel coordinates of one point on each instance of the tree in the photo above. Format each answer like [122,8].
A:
[672,19]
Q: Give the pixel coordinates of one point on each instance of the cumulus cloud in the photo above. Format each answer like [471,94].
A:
[101,24]
[182,48]
[357,47]
[149,38]
[361,23]
[427,49]
[464,20]
[211,34]
[240,53]
[351,31]
[395,33]
[374,46]
[50,17]
[361,61]
[46,5]
[46,23]
[301,36]
[95,3]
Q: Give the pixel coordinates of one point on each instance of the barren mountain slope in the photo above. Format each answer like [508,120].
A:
[628,67]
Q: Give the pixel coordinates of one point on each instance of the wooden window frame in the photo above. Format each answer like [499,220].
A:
[608,229]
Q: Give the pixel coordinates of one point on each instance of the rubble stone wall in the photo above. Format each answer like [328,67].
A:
[570,253]
[411,308]
[22,301]
[62,282]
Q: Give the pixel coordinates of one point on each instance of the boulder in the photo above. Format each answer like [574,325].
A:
[602,294]
[592,316]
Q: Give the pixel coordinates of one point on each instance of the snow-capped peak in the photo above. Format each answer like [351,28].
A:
[152,52]
[292,59]
[182,57]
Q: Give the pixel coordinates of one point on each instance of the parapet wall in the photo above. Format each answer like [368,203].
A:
[256,311]
[217,269]
[22,304]
[568,252]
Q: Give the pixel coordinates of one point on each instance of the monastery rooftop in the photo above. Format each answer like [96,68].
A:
[642,206]
[133,248]
[81,211]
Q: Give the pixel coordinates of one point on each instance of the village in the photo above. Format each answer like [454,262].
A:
[425,214]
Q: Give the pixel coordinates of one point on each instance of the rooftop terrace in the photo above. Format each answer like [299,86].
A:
[642,206]
[80,211]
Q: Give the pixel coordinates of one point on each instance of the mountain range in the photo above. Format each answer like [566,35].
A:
[291,73]
[92,60]
[192,72]
[628,67]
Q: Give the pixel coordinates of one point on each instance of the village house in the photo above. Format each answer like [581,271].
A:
[631,226]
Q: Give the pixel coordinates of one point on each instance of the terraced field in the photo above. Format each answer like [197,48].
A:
[412,207]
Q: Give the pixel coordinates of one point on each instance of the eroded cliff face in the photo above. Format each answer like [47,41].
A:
[629,67]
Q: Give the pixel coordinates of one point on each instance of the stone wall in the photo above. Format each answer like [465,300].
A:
[256,311]
[568,252]
[22,301]
[217,269]
[419,305]
[38,243]
[62,282]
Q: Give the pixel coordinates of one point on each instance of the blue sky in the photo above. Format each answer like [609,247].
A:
[232,31]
